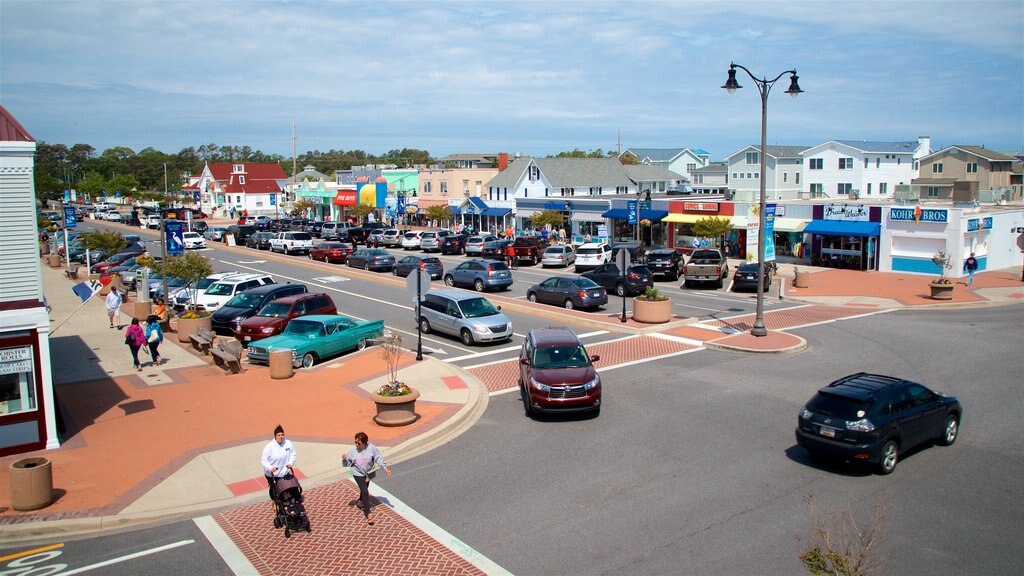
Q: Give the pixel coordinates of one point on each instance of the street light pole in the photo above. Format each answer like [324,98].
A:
[764,86]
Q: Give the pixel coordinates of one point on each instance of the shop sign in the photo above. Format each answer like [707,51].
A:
[700,206]
[556,206]
[345,198]
[780,210]
[976,224]
[846,213]
[15,360]
[917,214]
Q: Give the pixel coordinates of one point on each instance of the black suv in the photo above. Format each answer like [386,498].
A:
[664,261]
[453,244]
[873,418]
[637,278]
[229,317]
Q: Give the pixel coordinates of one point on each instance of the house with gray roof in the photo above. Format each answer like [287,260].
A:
[711,179]
[962,172]
[683,161]
[782,179]
[529,177]
[851,169]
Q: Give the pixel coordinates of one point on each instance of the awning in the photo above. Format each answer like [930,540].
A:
[454,210]
[586,217]
[624,213]
[527,213]
[496,212]
[840,228]
[688,218]
[781,224]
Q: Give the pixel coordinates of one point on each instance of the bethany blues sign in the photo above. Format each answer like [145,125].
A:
[846,213]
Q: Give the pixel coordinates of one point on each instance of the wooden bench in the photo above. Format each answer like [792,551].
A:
[228,355]
[202,339]
[72,273]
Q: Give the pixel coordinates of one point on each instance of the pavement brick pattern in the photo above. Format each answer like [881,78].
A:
[790,317]
[504,375]
[341,542]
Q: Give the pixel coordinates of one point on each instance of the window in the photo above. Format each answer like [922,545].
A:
[937,168]
[241,179]
[734,176]
[444,187]
[691,167]
[465,187]
[883,187]
[17,386]
[933,191]
[817,163]
[846,163]
[239,168]
[797,177]
[869,188]
[972,167]
[785,176]
[817,190]
[479,185]
[427,187]
[865,161]
[534,172]
[757,175]
[752,158]
[844,188]
[749,175]
[878,161]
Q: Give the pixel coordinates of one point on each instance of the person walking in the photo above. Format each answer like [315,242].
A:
[561,236]
[364,459]
[510,254]
[113,305]
[154,336]
[278,458]
[970,266]
[135,339]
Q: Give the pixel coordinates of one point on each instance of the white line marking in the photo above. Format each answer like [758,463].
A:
[592,334]
[742,314]
[492,363]
[128,557]
[678,339]
[487,353]
[457,546]
[722,329]
[865,315]
[651,359]
[224,546]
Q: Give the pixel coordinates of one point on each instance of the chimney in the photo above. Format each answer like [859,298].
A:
[502,161]
[924,147]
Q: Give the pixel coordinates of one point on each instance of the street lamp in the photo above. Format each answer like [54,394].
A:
[764,86]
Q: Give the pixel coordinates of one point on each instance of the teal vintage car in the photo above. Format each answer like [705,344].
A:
[315,337]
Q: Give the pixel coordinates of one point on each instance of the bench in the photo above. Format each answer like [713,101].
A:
[201,339]
[228,355]
[72,273]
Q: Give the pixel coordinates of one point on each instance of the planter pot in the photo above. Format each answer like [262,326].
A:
[941,291]
[801,280]
[187,326]
[652,312]
[396,410]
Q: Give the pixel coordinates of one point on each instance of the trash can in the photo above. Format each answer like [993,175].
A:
[44,248]
[53,260]
[800,279]
[281,364]
[31,484]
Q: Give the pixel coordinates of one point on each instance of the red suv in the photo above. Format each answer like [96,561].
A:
[272,318]
[556,374]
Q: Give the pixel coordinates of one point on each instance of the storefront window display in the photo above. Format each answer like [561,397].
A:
[842,252]
[17,385]
[592,229]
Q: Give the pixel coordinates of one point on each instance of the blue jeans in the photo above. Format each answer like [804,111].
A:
[970,276]
[135,354]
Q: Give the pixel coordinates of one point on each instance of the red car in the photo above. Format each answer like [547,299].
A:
[273,317]
[331,252]
[556,374]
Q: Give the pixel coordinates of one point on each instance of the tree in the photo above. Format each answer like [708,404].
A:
[629,159]
[553,217]
[92,184]
[304,205]
[191,267]
[126,183]
[711,227]
[107,242]
[361,211]
[842,546]
[441,213]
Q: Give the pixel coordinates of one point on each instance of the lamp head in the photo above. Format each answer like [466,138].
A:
[731,85]
[794,88]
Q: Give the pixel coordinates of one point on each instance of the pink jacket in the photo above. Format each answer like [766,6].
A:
[135,335]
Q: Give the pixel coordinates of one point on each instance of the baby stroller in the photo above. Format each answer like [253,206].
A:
[289,512]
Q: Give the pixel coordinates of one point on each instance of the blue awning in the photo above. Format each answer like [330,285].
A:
[840,228]
[454,210]
[496,212]
[623,214]
[477,203]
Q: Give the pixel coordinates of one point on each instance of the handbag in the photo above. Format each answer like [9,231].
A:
[153,336]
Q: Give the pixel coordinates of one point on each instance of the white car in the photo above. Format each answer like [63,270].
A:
[113,216]
[411,240]
[153,221]
[592,255]
[221,291]
[193,240]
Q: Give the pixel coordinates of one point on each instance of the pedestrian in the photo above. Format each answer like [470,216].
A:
[561,236]
[113,305]
[510,253]
[278,458]
[154,336]
[586,238]
[135,339]
[364,459]
[970,266]
[232,213]
[544,235]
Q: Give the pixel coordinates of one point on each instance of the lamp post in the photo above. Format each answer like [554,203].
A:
[764,86]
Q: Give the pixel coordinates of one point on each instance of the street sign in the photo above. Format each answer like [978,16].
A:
[622,258]
[410,283]
[645,204]
[69,217]
[631,208]
[175,237]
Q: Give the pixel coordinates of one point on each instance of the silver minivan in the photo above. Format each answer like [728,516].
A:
[334,230]
[469,316]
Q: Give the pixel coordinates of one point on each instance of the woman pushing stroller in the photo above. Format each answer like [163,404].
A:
[278,462]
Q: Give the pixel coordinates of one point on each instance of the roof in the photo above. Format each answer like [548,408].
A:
[655,154]
[712,167]
[908,147]
[11,130]
[649,173]
[555,336]
[567,172]
[776,151]
[259,178]
[307,172]
[979,151]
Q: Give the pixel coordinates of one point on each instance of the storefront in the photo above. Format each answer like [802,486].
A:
[583,218]
[483,218]
[684,214]
[27,420]
[845,236]
[788,233]
[649,231]
[317,193]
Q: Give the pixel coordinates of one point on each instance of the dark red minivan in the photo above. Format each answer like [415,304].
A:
[556,374]
[273,317]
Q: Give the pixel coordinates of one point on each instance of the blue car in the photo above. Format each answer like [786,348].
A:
[480,275]
[315,337]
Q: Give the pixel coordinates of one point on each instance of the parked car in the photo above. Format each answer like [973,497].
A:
[495,250]
[874,418]
[313,228]
[568,291]
[480,274]
[470,317]
[291,243]
[180,299]
[114,216]
[556,374]
[360,234]
[229,317]
[259,240]
[241,232]
[453,244]
[705,265]
[746,275]
[199,226]
[298,225]
[408,264]
[331,252]
[475,244]
[315,337]
[393,236]
[561,256]
[218,293]
[664,261]
[274,316]
[636,280]
[592,255]
[156,286]
[116,260]
[215,233]
[431,239]
[375,259]
[376,237]
[193,240]
[153,222]
[333,230]
[411,240]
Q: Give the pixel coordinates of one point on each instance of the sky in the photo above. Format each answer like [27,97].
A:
[528,77]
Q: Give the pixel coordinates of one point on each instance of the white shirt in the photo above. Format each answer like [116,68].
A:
[279,456]
[113,300]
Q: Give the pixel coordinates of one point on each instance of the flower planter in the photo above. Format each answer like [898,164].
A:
[652,312]
[188,326]
[941,291]
[396,410]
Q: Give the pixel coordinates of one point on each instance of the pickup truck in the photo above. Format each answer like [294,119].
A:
[360,234]
[291,243]
[529,248]
[705,266]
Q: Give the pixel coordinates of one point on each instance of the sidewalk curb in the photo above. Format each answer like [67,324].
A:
[793,349]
